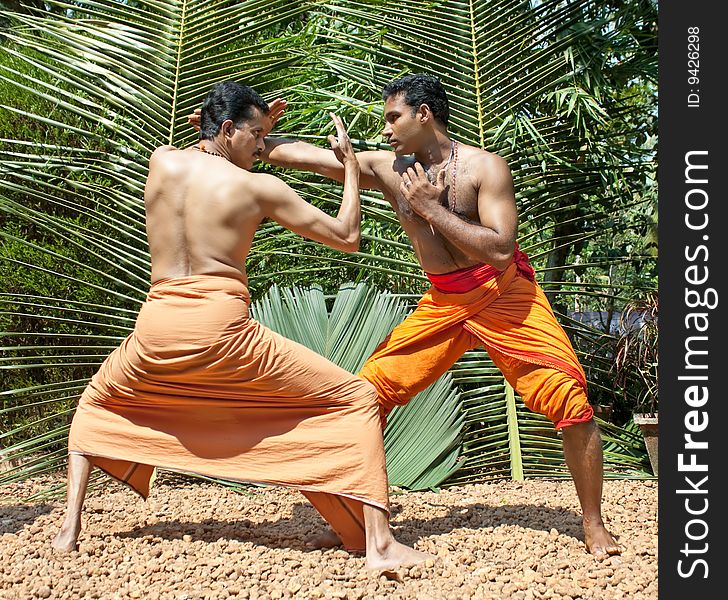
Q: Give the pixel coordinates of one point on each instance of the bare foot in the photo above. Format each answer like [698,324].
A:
[599,541]
[65,541]
[328,539]
[394,556]
[67,538]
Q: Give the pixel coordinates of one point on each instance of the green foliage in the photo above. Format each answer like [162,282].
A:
[566,92]
[636,359]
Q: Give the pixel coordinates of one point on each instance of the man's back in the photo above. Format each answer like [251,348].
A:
[201,211]
[203,204]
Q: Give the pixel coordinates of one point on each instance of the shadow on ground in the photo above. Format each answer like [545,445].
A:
[292,532]
[13,517]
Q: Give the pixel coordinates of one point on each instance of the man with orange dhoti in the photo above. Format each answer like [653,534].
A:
[457,205]
[199,386]
[504,311]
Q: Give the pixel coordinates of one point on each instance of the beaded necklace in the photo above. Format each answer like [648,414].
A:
[201,148]
[454,178]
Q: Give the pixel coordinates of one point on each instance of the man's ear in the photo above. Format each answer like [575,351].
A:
[227,127]
[424,113]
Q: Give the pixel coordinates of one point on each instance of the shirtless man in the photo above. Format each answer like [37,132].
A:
[457,205]
[199,386]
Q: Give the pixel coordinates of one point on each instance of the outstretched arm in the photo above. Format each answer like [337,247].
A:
[282,204]
[296,154]
[492,240]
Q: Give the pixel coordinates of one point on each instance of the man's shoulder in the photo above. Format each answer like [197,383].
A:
[484,156]
[160,151]
[263,178]
[487,163]
[163,157]
[264,186]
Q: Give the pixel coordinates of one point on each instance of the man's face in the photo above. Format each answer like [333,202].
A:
[247,140]
[402,127]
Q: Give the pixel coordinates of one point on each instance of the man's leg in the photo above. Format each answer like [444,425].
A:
[383,551]
[413,357]
[562,399]
[421,354]
[79,470]
[355,440]
[583,453]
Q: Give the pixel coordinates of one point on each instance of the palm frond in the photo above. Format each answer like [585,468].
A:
[563,91]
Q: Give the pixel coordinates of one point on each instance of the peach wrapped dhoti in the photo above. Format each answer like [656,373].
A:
[200,387]
[504,311]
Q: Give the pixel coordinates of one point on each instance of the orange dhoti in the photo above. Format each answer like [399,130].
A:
[200,387]
[507,313]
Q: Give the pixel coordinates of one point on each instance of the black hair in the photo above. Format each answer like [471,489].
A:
[228,100]
[420,88]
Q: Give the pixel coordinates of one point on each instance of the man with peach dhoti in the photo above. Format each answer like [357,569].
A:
[199,386]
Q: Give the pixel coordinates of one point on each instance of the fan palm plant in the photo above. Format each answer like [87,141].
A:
[89,88]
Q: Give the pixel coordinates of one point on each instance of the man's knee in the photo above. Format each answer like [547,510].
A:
[557,396]
[578,429]
[390,393]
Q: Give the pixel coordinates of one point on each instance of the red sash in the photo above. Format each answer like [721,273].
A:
[469,278]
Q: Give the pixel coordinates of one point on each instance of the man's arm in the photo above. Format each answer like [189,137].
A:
[493,239]
[296,154]
[282,204]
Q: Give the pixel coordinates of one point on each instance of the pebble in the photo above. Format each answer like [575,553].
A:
[515,540]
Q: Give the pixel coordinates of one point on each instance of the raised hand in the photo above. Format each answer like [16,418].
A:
[341,144]
[194,119]
[275,110]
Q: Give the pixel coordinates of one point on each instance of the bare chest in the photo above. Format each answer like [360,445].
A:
[460,196]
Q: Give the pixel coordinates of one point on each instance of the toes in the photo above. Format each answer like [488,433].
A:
[615,549]
[64,548]
[599,553]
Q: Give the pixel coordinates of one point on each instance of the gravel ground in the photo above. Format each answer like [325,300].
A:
[193,540]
